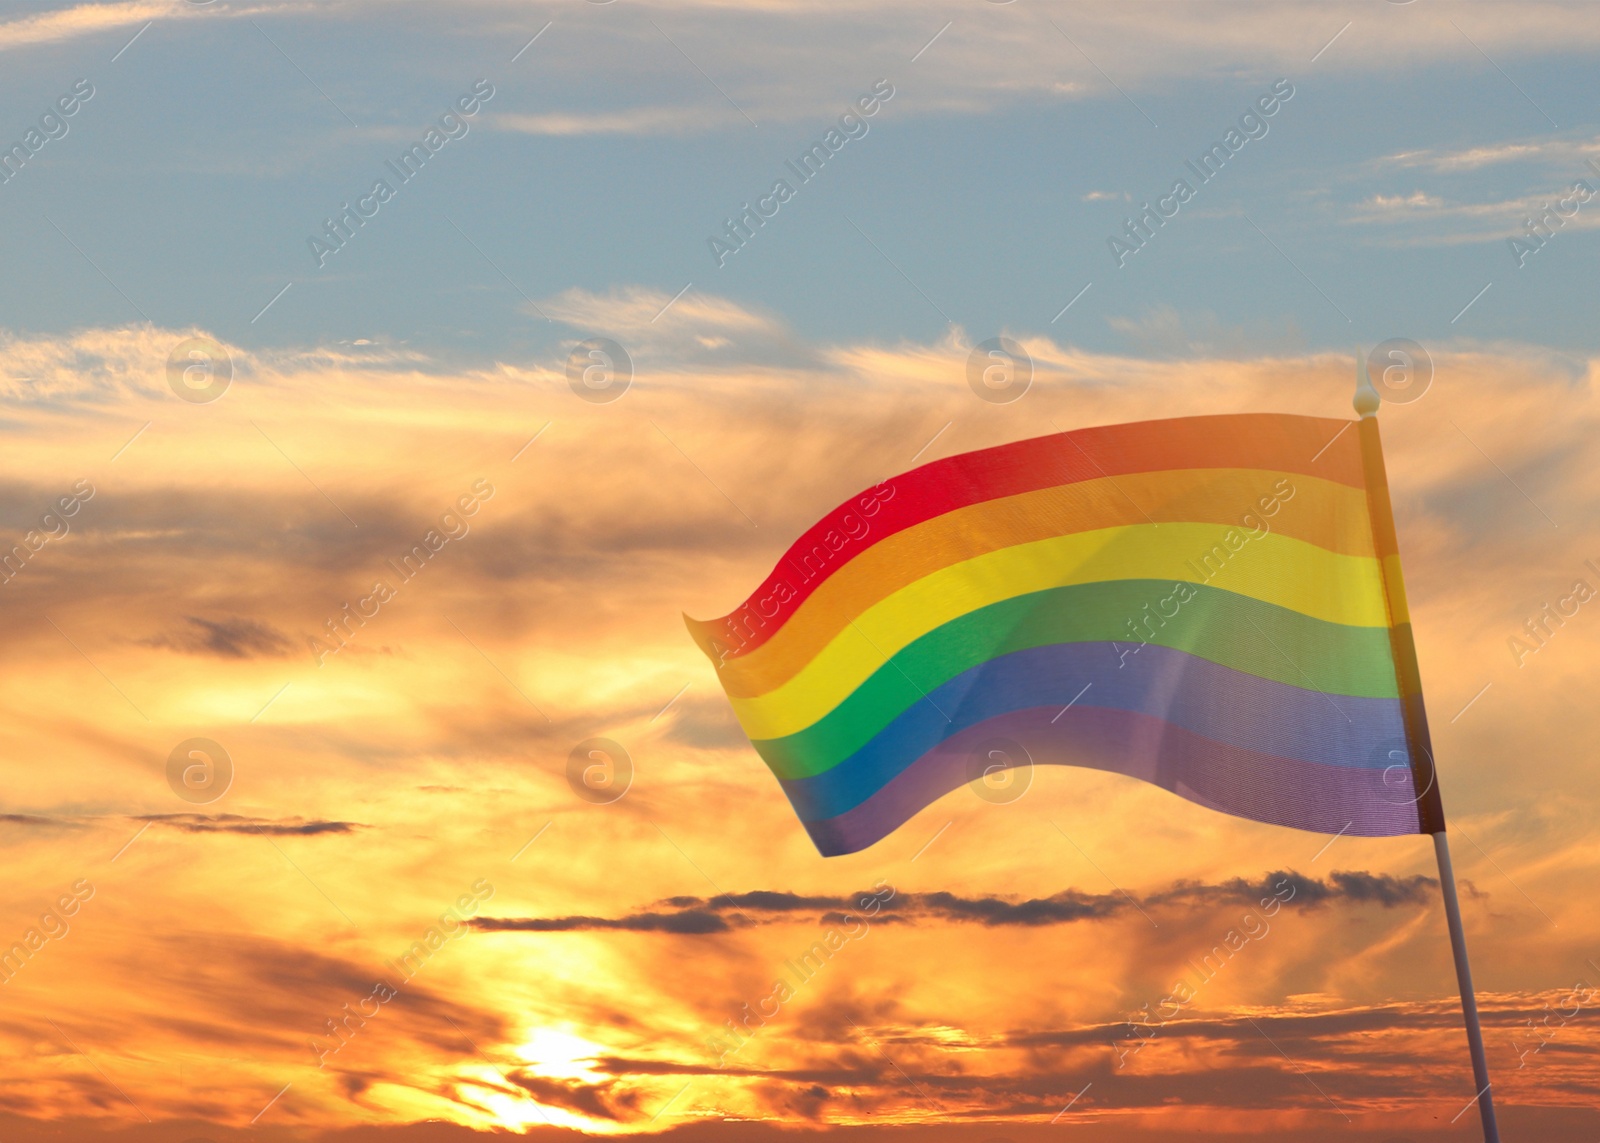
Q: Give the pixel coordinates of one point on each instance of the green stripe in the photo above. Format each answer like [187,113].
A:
[1232,630]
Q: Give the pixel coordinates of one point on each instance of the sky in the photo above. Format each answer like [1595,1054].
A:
[509,822]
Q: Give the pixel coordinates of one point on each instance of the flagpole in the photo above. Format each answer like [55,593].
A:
[1469,999]
[1430,810]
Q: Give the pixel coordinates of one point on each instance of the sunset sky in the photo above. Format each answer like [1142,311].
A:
[417,781]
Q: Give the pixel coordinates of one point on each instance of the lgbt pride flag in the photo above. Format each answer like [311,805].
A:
[1211,604]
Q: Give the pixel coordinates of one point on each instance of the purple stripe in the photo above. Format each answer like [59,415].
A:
[1263,787]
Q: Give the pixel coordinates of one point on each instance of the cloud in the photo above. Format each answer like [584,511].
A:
[801,61]
[691,331]
[96,367]
[1383,889]
[1423,220]
[81,20]
[640,312]
[1552,151]
[766,901]
[1224,1063]
[257,994]
[38,821]
[233,638]
[597,1101]
[646,121]
[796,61]
[1416,200]
[688,922]
[236,823]
[696,916]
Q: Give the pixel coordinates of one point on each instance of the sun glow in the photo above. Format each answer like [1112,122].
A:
[559,1054]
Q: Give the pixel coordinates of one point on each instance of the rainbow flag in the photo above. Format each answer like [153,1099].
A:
[1211,604]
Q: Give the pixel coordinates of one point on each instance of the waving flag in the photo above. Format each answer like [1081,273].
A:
[1211,604]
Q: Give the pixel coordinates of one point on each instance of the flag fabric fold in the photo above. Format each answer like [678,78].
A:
[1210,604]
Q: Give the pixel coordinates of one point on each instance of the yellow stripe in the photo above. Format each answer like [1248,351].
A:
[1277,569]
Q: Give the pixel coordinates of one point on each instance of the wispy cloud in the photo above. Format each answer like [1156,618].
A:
[641,311]
[649,121]
[238,823]
[1550,151]
[1422,219]
[696,916]
[82,20]
[231,638]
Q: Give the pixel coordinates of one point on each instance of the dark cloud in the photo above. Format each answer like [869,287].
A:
[1357,1048]
[1359,887]
[691,916]
[1232,1061]
[236,823]
[37,820]
[234,638]
[689,922]
[1299,1030]
[698,916]
[762,900]
[1549,1123]
[594,1100]
[1385,890]
[1062,908]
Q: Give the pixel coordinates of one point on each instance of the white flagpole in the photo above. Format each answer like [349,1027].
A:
[1469,1000]
[1430,811]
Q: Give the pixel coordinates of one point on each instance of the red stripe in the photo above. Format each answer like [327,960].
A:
[1278,442]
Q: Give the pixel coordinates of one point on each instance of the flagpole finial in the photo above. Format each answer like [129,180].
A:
[1366,399]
